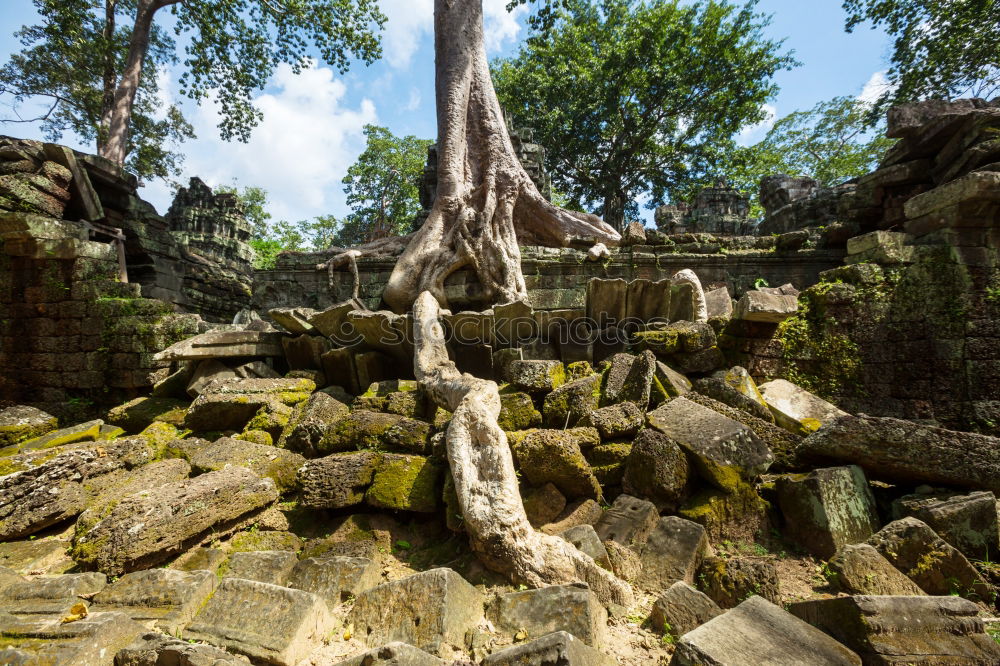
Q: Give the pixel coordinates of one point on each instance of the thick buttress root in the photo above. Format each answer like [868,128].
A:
[485,482]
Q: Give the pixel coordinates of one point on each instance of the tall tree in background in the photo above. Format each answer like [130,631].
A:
[941,48]
[634,97]
[70,62]
[232,48]
[382,186]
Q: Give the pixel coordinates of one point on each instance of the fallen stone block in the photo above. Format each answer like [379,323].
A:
[904,629]
[629,379]
[586,540]
[570,608]
[880,247]
[968,522]
[543,505]
[156,649]
[673,552]
[82,432]
[584,512]
[263,566]
[294,320]
[335,578]
[165,598]
[928,560]
[729,581]
[366,429]
[279,465]
[682,609]
[760,306]
[232,404]
[337,480]
[147,528]
[759,632]
[724,451]
[50,594]
[43,639]
[224,344]
[394,654]
[269,623]
[827,508]
[406,483]
[559,648]
[554,456]
[205,374]
[860,569]
[734,516]
[136,415]
[628,522]
[907,452]
[21,422]
[619,421]
[429,609]
[568,404]
[789,402]
[536,376]
[657,470]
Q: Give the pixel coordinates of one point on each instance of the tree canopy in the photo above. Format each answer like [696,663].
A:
[941,48]
[387,173]
[98,61]
[633,98]
[70,61]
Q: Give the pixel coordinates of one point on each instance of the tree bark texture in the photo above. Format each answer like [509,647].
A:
[485,200]
[485,481]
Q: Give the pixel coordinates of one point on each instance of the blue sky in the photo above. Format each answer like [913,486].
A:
[312,128]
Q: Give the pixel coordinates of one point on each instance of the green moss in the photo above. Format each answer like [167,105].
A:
[256,436]
[517,412]
[407,483]
[253,540]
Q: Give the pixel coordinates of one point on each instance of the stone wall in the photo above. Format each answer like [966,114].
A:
[557,278]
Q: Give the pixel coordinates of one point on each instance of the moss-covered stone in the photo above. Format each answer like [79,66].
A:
[256,436]
[554,456]
[517,412]
[254,539]
[160,435]
[407,483]
[277,464]
[569,403]
[537,376]
[272,419]
[737,516]
[578,370]
[21,422]
[83,432]
[135,415]
[361,429]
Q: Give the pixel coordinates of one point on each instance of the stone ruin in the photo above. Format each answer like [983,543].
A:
[794,474]
[721,210]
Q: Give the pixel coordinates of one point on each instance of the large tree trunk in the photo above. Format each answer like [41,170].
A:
[109,76]
[485,200]
[483,471]
[116,147]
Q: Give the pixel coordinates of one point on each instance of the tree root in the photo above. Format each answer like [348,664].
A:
[485,481]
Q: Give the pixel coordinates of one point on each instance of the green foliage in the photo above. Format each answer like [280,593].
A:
[66,61]
[254,205]
[941,48]
[632,97]
[382,186]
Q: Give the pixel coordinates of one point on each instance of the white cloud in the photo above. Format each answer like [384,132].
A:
[500,25]
[410,27]
[874,88]
[413,103]
[409,22]
[751,134]
[299,152]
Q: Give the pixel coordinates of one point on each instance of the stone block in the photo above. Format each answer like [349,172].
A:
[559,648]
[554,456]
[21,422]
[682,609]
[788,401]
[147,528]
[967,522]
[224,344]
[429,609]
[646,300]
[880,247]
[606,301]
[165,598]
[279,465]
[268,623]
[406,483]
[263,566]
[304,352]
[904,629]
[759,632]
[928,560]
[756,305]
[394,654]
[629,379]
[657,470]
[860,569]
[587,541]
[570,608]
[156,649]
[583,512]
[673,552]
[620,421]
[628,522]
[311,422]
[568,404]
[337,480]
[723,450]
[45,639]
[294,320]
[827,508]
[536,376]
[335,578]
[543,505]
[517,412]
[82,432]
[206,372]
[729,581]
